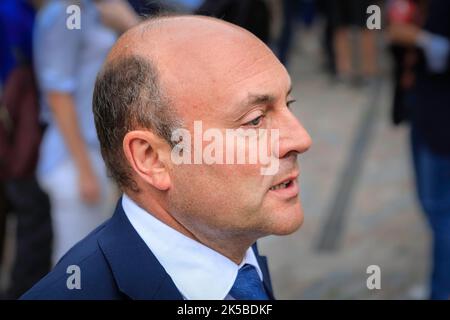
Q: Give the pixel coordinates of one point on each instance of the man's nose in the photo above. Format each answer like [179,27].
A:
[293,136]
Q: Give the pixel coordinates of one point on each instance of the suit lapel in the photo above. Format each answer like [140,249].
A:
[137,272]
[262,261]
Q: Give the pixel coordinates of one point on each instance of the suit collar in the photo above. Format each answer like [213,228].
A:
[137,272]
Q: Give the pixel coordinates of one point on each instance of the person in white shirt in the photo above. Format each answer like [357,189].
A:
[187,229]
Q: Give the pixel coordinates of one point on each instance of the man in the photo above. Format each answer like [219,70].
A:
[186,231]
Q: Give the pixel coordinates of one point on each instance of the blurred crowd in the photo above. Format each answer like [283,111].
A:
[53,179]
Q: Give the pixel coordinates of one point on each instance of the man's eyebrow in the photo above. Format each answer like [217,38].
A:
[251,100]
[254,99]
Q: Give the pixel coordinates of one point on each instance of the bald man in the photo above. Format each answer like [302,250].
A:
[187,110]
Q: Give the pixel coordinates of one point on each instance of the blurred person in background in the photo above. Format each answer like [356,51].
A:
[70,167]
[428,101]
[253,15]
[152,7]
[346,14]
[324,7]
[144,6]
[404,56]
[20,135]
[186,6]
[293,10]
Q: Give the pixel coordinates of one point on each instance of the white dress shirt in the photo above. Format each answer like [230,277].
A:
[198,271]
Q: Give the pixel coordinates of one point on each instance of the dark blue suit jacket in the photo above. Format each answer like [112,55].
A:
[115,263]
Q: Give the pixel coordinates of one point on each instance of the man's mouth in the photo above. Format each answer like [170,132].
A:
[282,185]
[287,188]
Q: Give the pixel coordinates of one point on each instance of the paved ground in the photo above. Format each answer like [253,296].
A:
[381,224]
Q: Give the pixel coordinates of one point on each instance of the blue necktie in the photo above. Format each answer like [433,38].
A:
[247,285]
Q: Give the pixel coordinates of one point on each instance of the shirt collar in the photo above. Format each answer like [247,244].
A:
[198,271]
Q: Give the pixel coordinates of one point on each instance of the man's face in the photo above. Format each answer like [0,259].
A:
[229,84]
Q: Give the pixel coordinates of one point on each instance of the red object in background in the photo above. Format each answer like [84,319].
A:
[402,11]
[20,131]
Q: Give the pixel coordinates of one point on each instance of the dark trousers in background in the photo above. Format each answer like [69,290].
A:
[290,12]
[31,206]
[432,172]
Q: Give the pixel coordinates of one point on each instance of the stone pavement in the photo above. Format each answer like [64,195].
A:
[382,224]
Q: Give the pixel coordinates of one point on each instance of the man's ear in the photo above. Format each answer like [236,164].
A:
[143,150]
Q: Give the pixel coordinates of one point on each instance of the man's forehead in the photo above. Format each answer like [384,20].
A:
[162,35]
[202,59]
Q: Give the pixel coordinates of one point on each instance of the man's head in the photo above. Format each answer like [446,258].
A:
[168,73]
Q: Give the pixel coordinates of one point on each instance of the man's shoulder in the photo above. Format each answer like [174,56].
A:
[82,273]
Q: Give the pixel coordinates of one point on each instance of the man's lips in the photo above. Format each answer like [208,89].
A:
[286,187]
[290,177]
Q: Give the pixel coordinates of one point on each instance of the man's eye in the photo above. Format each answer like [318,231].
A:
[255,122]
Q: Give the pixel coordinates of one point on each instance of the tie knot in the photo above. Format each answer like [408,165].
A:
[248,285]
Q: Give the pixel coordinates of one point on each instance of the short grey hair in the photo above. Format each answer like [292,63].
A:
[128,96]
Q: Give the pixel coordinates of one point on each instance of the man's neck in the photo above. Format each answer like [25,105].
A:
[234,248]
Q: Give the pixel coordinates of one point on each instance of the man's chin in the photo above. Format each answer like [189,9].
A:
[288,220]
